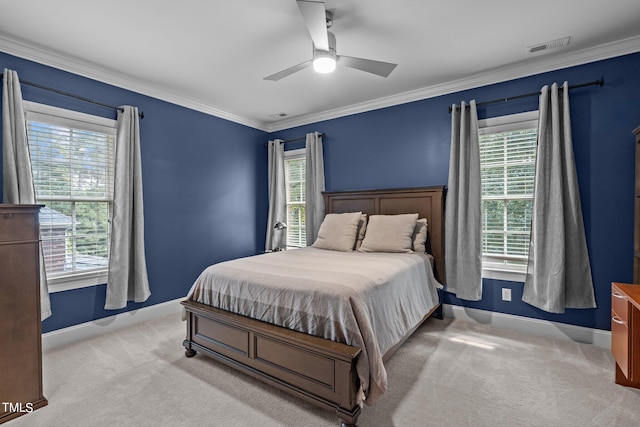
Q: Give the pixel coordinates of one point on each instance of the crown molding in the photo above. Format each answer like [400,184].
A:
[523,69]
[90,70]
[493,76]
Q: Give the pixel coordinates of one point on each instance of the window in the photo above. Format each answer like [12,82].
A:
[507,161]
[72,158]
[295,174]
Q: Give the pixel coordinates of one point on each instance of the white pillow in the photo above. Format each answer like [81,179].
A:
[389,233]
[420,236]
[338,232]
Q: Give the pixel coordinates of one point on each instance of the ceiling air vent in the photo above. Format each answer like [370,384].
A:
[548,45]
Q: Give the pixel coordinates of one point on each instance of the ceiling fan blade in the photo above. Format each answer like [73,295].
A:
[370,66]
[315,16]
[284,73]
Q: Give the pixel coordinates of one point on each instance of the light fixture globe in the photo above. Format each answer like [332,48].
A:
[325,61]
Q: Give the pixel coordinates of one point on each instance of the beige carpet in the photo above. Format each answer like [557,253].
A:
[449,373]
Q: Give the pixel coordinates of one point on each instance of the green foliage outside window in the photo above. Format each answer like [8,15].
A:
[295,175]
[507,170]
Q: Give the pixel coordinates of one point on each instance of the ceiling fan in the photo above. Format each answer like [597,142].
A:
[318,21]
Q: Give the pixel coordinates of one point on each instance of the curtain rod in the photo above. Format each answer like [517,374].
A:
[302,138]
[71,95]
[599,82]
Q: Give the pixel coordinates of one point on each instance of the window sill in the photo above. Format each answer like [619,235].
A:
[60,284]
[502,274]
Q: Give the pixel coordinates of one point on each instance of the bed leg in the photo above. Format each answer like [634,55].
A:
[188,351]
[348,419]
[440,312]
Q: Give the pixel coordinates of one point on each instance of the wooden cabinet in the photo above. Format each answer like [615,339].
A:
[20,327]
[625,333]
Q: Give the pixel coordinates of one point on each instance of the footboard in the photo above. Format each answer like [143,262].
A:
[319,371]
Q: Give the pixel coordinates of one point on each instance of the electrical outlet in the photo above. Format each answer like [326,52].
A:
[506,294]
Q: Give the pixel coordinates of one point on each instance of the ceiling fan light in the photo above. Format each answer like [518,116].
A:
[324,64]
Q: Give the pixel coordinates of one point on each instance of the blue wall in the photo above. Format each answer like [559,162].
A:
[204,188]
[206,191]
[408,146]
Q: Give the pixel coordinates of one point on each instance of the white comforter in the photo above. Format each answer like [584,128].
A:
[367,300]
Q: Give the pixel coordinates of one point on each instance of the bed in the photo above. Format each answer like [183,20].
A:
[326,368]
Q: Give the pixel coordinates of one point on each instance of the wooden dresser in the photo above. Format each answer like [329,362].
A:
[20,327]
[625,333]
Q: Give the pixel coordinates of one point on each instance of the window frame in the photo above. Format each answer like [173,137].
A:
[505,123]
[55,115]
[296,154]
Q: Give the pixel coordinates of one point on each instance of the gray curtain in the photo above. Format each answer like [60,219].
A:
[127,279]
[277,196]
[17,176]
[314,186]
[463,228]
[558,270]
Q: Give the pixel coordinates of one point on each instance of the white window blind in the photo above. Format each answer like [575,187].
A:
[507,158]
[72,158]
[295,175]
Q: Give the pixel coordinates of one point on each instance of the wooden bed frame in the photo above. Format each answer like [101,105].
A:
[316,370]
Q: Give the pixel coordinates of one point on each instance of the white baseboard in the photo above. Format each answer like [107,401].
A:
[598,337]
[72,334]
[83,331]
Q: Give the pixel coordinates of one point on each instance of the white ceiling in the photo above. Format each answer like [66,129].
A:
[212,55]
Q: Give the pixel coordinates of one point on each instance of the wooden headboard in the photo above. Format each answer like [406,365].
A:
[427,202]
